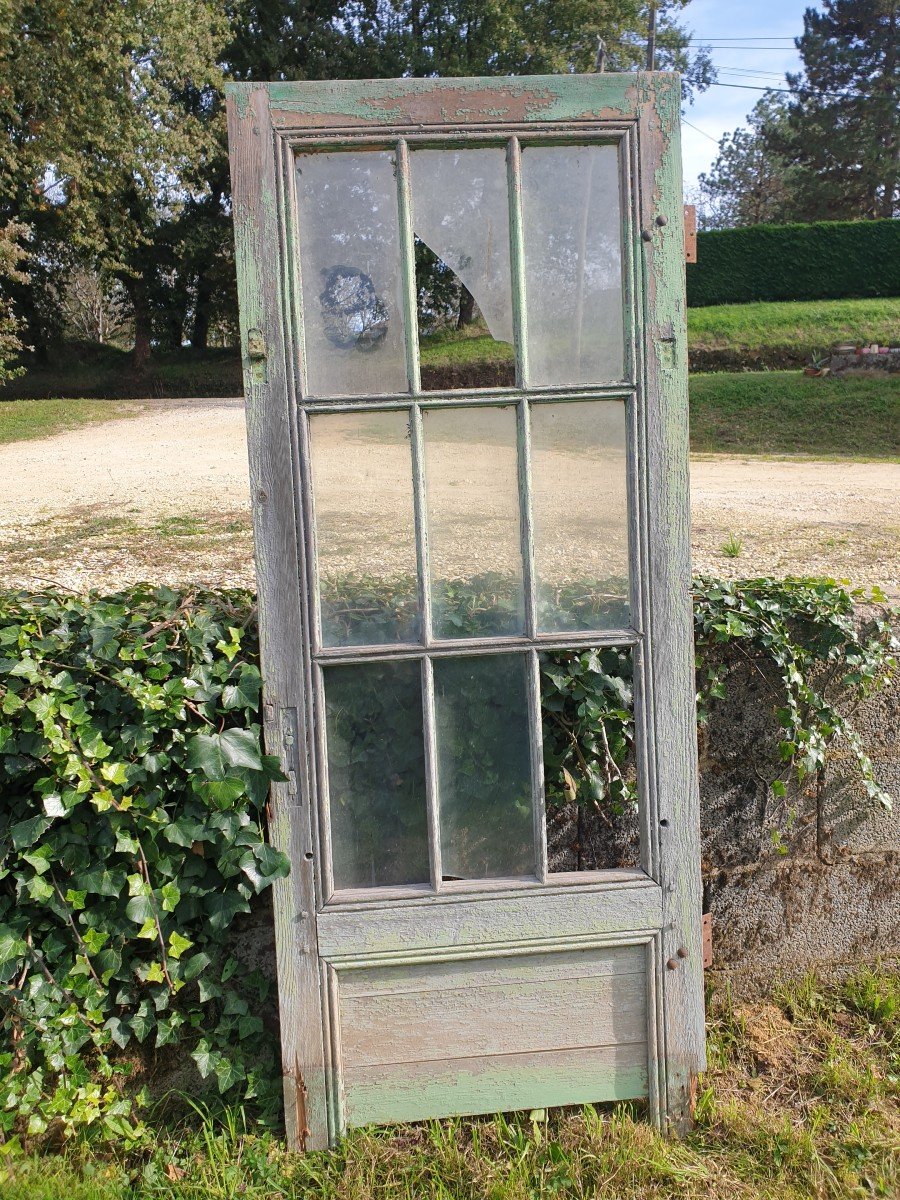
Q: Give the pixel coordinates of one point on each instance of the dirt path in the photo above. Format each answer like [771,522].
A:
[164,496]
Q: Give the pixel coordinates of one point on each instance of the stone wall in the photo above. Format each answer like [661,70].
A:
[811,880]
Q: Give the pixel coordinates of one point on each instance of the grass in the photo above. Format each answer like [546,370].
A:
[22,420]
[801,1102]
[802,327]
[724,337]
[786,412]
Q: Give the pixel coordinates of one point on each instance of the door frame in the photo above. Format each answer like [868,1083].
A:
[266,122]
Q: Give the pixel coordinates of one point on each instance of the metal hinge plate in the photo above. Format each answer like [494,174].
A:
[690,233]
[706,926]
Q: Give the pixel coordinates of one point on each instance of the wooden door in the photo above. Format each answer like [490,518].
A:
[466,927]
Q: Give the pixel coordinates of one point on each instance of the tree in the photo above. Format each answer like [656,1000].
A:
[102,115]
[12,255]
[843,125]
[749,183]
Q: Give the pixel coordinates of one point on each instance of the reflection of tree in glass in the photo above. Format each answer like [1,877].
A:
[354,316]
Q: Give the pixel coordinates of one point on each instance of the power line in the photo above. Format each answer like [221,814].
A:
[699,130]
[699,37]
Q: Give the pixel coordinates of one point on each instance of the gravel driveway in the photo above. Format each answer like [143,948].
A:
[164,496]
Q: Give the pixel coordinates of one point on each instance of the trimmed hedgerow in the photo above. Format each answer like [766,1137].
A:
[132,824]
[827,260]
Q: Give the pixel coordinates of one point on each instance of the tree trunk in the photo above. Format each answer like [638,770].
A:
[140,304]
[200,332]
[466,308]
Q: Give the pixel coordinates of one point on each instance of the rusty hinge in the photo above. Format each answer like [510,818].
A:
[706,931]
[690,233]
[256,345]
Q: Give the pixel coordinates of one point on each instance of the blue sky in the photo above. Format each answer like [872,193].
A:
[727,25]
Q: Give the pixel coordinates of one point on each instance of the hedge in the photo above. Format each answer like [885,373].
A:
[829,260]
[132,822]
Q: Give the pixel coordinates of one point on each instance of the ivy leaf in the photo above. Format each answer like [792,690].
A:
[140,910]
[263,865]
[178,944]
[26,833]
[169,896]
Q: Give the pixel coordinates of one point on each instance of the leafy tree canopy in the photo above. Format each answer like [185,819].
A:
[830,149]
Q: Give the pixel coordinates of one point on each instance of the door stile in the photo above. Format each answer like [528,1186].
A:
[272,446]
[670,629]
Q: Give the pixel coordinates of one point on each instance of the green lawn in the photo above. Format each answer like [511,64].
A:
[21,420]
[723,338]
[801,1102]
[804,325]
[762,412]
[799,330]
[787,412]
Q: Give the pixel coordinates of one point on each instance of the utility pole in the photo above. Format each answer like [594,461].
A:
[651,38]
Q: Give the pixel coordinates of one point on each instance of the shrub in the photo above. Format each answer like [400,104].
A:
[132,830]
[827,260]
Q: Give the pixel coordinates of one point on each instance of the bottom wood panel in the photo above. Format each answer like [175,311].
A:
[492,1034]
[500,1083]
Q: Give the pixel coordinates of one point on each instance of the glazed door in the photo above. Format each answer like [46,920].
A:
[462,310]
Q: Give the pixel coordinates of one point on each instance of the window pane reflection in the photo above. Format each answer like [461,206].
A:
[376,774]
[484,767]
[460,211]
[580,508]
[573,264]
[474,532]
[590,776]
[365,529]
[350,273]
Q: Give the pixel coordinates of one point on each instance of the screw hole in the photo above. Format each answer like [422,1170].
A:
[308,857]
[664,821]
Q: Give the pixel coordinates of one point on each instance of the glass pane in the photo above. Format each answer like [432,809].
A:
[573,264]
[376,774]
[580,510]
[484,767]
[590,784]
[461,222]
[474,537]
[350,273]
[365,527]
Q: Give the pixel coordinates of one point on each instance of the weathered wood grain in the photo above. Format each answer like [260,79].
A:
[533,916]
[478,1013]
[669,644]
[412,1091]
[272,440]
[410,975]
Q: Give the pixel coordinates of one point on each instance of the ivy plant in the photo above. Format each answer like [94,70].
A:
[131,835]
[132,828]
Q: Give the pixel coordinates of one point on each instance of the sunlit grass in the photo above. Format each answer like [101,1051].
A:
[22,420]
[801,1101]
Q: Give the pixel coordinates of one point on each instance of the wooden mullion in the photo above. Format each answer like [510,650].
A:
[517,259]
[432,782]
[408,268]
[420,509]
